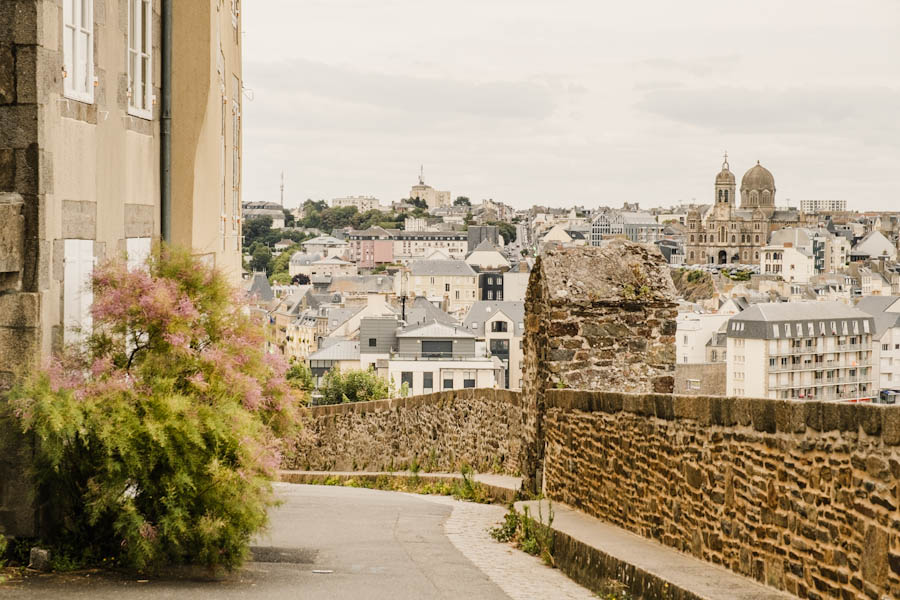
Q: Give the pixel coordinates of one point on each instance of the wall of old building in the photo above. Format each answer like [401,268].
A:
[701,379]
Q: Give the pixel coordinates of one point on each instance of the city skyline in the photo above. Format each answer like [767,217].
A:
[582,106]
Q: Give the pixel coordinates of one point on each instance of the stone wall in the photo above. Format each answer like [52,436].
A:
[801,496]
[595,318]
[441,432]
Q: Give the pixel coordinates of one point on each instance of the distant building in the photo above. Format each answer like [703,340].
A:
[794,265]
[450,283]
[886,312]
[326,246]
[361,203]
[432,197]
[801,351]
[501,326]
[479,233]
[725,234]
[273,210]
[818,206]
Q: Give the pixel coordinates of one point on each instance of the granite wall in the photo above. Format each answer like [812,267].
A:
[801,496]
[440,432]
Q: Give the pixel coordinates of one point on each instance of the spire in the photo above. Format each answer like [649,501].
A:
[421,174]
[725,166]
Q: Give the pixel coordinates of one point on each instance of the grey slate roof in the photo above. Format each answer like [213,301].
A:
[362,284]
[483,310]
[422,311]
[876,306]
[439,268]
[785,320]
[340,350]
[259,287]
[434,330]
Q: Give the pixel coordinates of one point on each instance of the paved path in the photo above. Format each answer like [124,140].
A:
[378,545]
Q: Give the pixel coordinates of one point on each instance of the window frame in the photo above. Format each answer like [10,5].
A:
[71,57]
[141,50]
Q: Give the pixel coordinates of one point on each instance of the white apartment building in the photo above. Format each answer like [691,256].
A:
[801,351]
[693,334]
[815,206]
[886,348]
[417,245]
[362,203]
[794,265]
[501,326]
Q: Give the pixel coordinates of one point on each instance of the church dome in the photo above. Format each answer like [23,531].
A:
[725,177]
[758,178]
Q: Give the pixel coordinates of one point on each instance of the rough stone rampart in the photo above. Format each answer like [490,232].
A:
[801,496]
[440,432]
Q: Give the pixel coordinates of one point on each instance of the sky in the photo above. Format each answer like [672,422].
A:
[571,102]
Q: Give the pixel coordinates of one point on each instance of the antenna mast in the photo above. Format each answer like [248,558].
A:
[282,189]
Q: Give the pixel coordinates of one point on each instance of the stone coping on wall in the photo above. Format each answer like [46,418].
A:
[764,415]
[510,396]
[591,552]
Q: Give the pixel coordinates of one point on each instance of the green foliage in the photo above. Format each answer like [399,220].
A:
[299,376]
[261,259]
[281,265]
[3,546]
[353,385]
[507,230]
[418,203]
[462,201]
[527,533]
[695,276]
[158,437]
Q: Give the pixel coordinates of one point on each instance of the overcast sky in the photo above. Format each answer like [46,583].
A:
[565,102]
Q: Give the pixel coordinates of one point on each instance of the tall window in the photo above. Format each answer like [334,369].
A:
[236,145]
[140,73]
[78,49]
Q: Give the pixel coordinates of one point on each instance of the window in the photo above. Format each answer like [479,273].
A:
[448,380]
[428,381]
[499,346]
[468,379]
[490,295]
[373,342]
[885,347]
[446,287]
[499,326]
[407,378]
[140,69]
[78,49]
[693,384]
[437,348]
[78,260]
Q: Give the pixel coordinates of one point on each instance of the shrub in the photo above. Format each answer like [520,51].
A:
[353,385]
[299,376]
[527,533]
[156,439]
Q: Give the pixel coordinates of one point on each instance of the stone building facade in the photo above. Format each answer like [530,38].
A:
[725,234]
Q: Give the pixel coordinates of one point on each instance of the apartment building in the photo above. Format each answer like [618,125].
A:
[817,206]
[693,334]
[427,358]
[451,283]
[794,265]
[501,326]
[801,351]
[361,203]
[885,310]
[417,245]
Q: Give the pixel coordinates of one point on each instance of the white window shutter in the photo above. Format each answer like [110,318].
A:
[78,296]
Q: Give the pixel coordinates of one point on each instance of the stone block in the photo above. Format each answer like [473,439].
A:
[7,73]
[20,310]
[12,233]
[19,348]
[7,170]
[79,219]
[39,559]
[18,125]
[26,75]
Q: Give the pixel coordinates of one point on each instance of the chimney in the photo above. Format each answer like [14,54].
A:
[789,244]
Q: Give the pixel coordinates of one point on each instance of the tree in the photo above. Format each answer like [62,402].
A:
[157,438]
[281,265]
[352,386]
[288,218]
[261,259]
[462,201]
[300,279]
[418,203]
[299,376]
[507,230]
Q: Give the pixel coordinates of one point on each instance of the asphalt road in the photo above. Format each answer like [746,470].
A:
[370,544]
